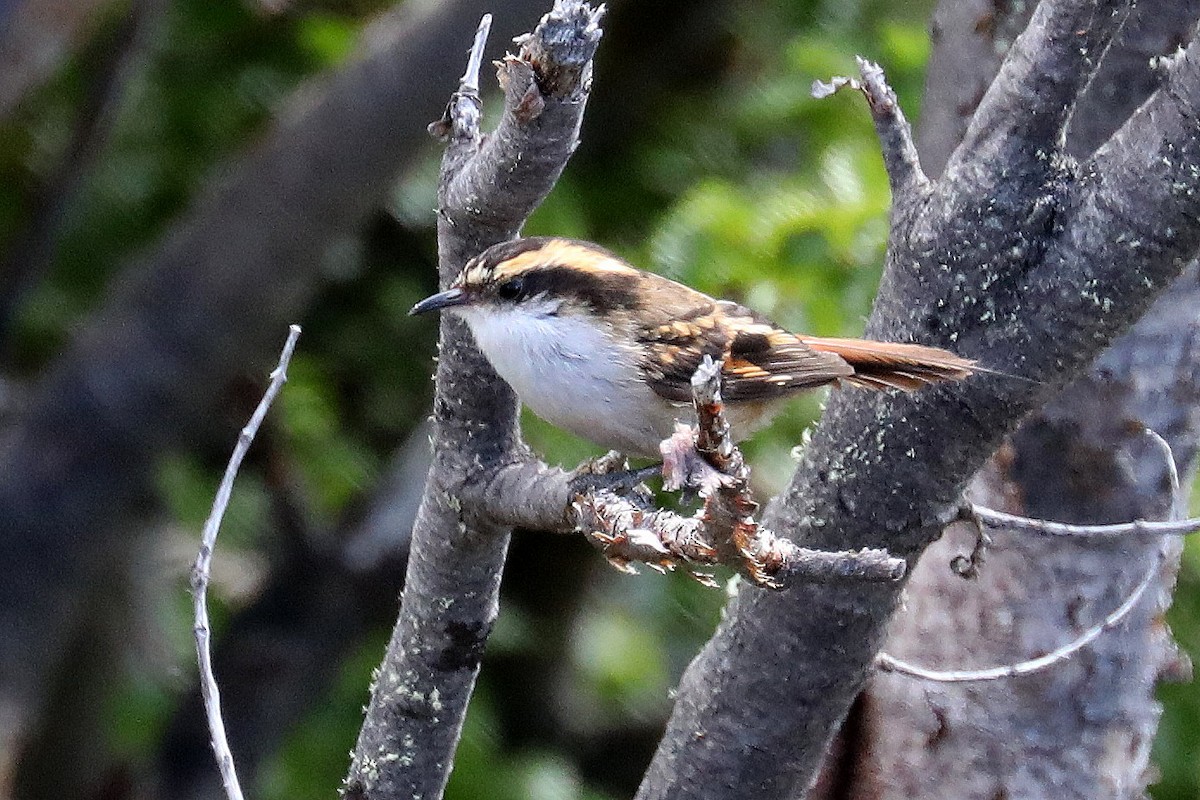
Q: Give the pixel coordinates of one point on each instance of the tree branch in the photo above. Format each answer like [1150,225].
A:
[1140,185]
[1085,458]
[723,531]
[280,655]
[203,566]
[970,37]
[895,134]
[1058,53]
[487,189]
[1139,527]
[981,266]
[31,254]
[889,663]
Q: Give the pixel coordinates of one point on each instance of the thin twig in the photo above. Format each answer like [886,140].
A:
[769,560]
[614,516]
[895,134]
[889,663]
[203,565]
[729,506]
[465,109]
[1168,459]
[1139,527]
[968,566]
[470,79]
[870,564]
[981,515]
[628,532]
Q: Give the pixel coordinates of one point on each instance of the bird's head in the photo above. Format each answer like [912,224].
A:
[544,277]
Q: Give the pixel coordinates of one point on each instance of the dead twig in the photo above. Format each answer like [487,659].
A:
[1139,527]
[889,663]
[203,566]
[895,134]
[981,515]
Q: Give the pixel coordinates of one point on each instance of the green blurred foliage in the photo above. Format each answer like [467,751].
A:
[216,72]
[485,771]
[743,186]
[1177,748]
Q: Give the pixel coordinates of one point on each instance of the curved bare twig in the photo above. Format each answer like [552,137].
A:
[890,663]
[203,565]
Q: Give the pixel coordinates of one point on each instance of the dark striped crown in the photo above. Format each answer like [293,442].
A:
[514,271]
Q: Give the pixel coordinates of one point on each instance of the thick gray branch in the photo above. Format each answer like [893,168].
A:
[1082,459]
[913,739]
[976,269]
[488,187]
[1047,68]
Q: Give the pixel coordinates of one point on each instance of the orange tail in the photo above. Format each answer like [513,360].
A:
[879,365]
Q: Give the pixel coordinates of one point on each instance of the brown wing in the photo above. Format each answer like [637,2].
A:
[762,361]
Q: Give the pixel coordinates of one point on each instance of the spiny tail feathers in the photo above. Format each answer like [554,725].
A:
[882,365]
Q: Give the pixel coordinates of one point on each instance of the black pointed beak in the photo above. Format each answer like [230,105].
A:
[447,299]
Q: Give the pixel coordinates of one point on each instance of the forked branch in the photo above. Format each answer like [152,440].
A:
[487,188]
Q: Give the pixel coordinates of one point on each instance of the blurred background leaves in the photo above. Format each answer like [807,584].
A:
[704,157]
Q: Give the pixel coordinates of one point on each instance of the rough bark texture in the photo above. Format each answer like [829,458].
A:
[970,37]
[205,305]
[1084,728]
[489,185]
[1017,256]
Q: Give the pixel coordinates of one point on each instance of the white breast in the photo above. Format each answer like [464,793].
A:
[572,374]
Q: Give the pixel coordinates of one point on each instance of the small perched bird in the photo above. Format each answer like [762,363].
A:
[604,350]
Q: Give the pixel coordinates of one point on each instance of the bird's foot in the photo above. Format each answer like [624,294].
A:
[611,472]
[684,466]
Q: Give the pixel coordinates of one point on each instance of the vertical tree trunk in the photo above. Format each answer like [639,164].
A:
[1083,728]
[1021,256]
[489,185]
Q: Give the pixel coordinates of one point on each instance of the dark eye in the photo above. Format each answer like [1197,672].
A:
[511,289]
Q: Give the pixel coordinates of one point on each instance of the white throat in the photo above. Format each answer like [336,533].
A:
[572,373]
